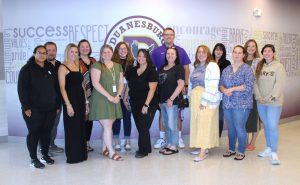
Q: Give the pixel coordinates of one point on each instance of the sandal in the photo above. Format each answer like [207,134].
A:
[170,151]
[163,150]
[116,157]
[105,152]
[239,156]
[89,148]
[229,153]
[250,147]
[198,158]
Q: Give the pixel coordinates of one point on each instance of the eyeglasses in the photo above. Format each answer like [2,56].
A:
[122,49]
[41,53]
[168,35]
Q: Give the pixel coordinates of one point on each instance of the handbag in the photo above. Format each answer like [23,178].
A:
[183,102]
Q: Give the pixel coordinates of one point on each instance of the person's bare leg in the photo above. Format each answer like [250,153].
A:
[107,135]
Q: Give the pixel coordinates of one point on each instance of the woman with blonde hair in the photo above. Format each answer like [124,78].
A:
[205,99]
[252,58]
[75,107]
[107,79]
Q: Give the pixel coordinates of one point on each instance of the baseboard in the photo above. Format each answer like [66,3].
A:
[289,119]
[3,139]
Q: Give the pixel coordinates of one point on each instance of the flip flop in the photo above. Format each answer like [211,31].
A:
[170,151]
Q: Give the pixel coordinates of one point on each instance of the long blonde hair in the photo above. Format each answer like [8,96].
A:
[66,56]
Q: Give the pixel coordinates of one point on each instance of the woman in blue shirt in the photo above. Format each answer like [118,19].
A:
[237,86]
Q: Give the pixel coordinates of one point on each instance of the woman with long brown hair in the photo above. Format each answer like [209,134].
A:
[123,55]
[268,89]
[252,58]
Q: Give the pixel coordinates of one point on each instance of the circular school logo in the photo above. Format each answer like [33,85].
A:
[138,31]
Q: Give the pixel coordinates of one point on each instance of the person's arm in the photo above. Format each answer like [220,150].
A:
[280,76]
[95,76]
[248,82]
[211,94]
[62,72]
[180,85]
[186,78]
[125,101]
[150,95]
[120,88]
[24,90]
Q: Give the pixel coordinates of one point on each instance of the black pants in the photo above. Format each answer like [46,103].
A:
[126,123]
[89,127]
[54,129]
[39,127]
[143,123]
[221,118]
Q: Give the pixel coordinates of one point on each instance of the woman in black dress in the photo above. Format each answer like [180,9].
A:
[142,83]
[70,82]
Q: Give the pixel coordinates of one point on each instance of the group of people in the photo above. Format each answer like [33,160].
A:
[117,86]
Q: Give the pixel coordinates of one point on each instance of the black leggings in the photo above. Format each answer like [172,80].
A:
[39,127]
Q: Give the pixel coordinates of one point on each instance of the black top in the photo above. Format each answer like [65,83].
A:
[126,67]
[139,85]
[168,82]
[37,87]
[223,64]
[55,68]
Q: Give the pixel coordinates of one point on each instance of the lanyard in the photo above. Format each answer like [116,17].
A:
[113,74]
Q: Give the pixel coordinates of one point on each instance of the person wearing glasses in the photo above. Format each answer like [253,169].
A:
[123,55]
[158,58]
[38,95]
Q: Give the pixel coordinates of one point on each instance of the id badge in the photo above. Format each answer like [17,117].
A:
[114,88]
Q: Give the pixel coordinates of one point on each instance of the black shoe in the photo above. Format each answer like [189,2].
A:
[140,155]
[37,164]
[47,159]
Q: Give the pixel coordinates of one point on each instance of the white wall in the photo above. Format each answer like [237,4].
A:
[3,116]
[279,25]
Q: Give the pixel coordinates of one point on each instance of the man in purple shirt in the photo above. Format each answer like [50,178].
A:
[158,58]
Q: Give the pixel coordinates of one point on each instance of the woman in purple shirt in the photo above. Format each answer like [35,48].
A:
[237,86]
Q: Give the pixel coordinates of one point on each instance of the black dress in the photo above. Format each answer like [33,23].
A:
[75,135]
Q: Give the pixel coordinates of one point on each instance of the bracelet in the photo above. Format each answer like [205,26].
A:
[120,96]
[87,102]
[170,99]
[145,105]
[186,85]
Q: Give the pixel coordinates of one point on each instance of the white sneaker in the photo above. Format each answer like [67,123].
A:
[118,147]
[274,159]
[265,153]
[127,147]
[181,143]
[161,142]
[195,152]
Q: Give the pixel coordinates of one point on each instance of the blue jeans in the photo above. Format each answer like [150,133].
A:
[236,121]
[170,120]
[270,116]
[126,123]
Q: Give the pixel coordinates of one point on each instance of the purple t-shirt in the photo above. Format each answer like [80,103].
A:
[159,55]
